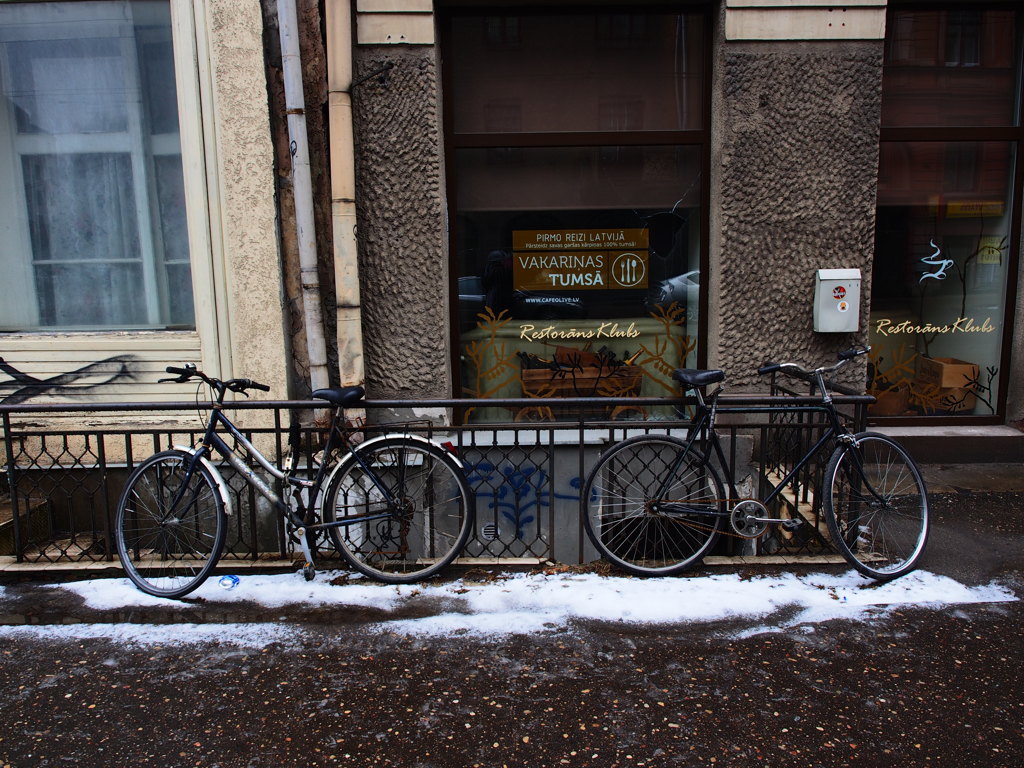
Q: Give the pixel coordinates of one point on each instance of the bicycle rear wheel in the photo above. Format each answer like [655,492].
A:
[653,508]
[416,533]
[170,525]
[876,506]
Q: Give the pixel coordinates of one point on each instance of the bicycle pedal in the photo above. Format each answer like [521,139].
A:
[791,524]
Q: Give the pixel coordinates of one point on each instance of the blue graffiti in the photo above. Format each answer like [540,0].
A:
[517,494]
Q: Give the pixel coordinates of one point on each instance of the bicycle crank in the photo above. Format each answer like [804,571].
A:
[750,519]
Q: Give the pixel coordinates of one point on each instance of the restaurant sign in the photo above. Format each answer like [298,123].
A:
[581,259]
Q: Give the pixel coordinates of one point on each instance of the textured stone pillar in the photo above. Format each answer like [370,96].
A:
[403,251]
[794,167]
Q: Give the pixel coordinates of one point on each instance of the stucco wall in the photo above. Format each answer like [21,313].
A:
[794,178]
[245,194]
[403,253]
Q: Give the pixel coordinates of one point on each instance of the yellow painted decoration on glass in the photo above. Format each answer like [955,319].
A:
[886,327]
[543,359]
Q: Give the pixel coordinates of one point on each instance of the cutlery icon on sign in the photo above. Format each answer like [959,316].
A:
[629,270]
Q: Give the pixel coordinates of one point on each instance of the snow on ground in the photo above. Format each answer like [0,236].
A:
[525,603]
[243,635]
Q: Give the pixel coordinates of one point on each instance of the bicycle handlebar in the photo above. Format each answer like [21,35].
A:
[190,372]
[792,369]
[852,352]
[240,385]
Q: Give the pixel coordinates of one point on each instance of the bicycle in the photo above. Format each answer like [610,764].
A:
[397,507]
[655,504]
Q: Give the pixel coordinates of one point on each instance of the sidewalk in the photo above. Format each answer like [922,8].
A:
[957,478]
[817,669]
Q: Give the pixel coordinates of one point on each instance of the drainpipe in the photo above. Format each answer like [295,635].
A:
[343,191]
[302,188]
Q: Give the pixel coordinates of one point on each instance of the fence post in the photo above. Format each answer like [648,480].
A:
[12,480]
[108,529]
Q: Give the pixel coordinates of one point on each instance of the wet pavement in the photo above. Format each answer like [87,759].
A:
[910,687]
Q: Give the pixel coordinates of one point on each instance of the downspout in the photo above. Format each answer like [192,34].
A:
[302,189]
[343,191]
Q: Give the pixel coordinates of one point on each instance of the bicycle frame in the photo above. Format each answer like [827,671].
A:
[702,426]
[382,493]
[303,519]
[656,504]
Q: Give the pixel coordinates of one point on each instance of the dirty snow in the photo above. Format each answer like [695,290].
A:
[526,603]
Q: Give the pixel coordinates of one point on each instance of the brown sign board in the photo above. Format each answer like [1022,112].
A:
[585,259]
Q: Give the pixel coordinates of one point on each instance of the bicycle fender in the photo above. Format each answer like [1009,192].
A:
[222,486]
[418,439]
[391,436]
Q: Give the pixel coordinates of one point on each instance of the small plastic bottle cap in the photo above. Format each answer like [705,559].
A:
[228,582]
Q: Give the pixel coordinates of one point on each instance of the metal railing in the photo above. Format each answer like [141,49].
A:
[60,485]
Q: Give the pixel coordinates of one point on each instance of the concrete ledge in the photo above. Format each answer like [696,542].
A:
[10,565]
[959,444]
[769,21]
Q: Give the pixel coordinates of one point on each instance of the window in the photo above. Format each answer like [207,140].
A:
[963,39]
[948,195]
[578,191]
[92,202]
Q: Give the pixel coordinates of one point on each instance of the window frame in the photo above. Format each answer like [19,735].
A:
[1011,134]
[209,341]
[596,138]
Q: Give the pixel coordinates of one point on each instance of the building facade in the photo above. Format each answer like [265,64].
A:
[517,199]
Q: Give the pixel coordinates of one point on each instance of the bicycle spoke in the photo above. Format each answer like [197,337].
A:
[634,495]
[876,507]
[167,549]
[405,514]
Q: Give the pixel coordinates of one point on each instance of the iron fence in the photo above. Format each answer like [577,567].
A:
[60,484]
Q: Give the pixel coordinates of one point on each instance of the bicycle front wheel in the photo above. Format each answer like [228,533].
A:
[876,506]
[170,525]
[404,510]
[653,508]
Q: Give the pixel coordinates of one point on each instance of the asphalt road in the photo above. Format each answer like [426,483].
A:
[917,687]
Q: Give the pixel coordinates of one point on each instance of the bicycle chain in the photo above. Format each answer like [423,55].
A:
[723,531]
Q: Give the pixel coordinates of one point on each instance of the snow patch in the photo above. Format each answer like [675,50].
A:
[525,603]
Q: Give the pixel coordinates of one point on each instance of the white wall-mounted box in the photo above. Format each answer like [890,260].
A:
[837,300]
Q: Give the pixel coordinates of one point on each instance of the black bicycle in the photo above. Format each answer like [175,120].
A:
[655,504]
[396,507]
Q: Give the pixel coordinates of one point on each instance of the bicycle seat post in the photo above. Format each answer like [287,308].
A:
[700,397]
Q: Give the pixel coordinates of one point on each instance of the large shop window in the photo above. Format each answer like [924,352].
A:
[945,250]
[578,147]
[92,203]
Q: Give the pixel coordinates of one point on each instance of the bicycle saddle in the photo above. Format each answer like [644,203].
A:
[693,377]
[340,396]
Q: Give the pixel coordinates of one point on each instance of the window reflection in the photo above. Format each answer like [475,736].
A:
[940,274]
[562,69]
[577,257]
[91,184]
[950,68]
